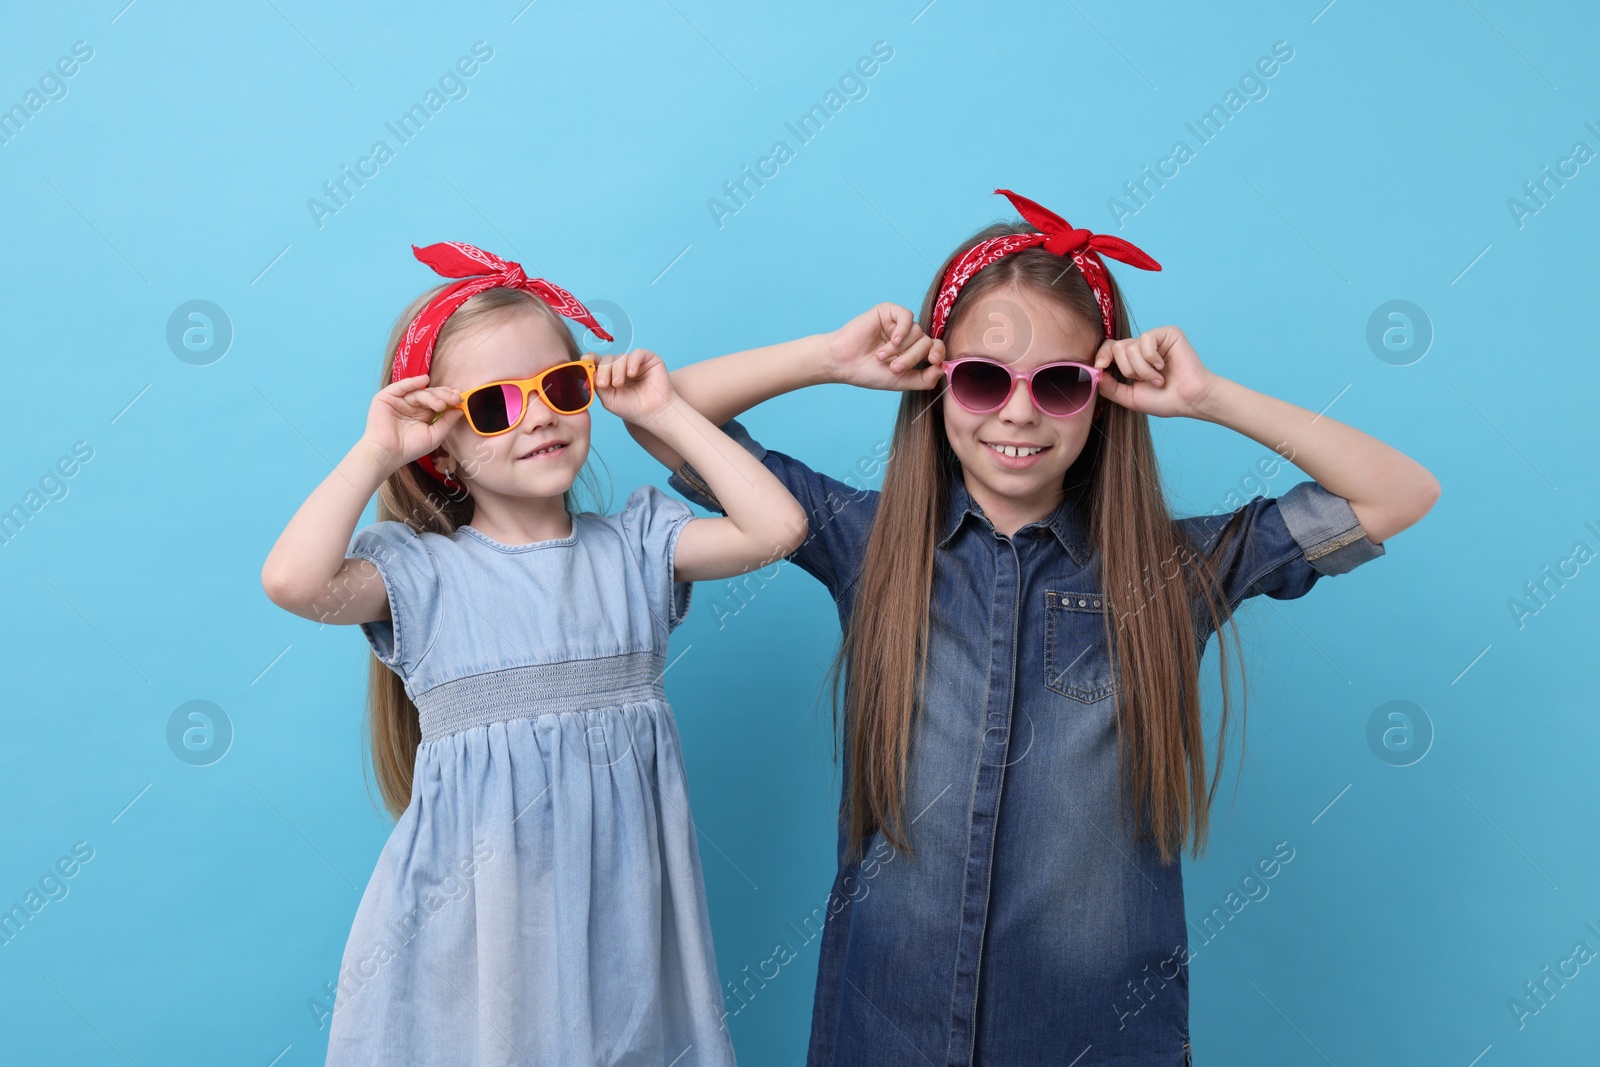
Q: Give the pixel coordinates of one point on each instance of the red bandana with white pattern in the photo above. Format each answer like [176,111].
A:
[479,271]
[1055,235]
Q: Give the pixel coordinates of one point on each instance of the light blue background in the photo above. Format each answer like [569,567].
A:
[1378,167]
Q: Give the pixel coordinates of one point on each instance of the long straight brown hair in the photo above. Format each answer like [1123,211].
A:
[1116,484]
[413,496]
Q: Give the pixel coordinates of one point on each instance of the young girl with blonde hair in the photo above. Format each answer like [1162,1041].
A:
[540,899]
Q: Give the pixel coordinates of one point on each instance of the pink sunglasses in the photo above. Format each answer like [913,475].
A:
[984,385]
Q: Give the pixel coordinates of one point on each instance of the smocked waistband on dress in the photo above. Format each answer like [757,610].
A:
[540,689]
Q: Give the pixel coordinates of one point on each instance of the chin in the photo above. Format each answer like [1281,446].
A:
[550,483]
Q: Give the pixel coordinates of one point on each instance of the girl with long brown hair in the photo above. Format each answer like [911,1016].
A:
[1023,625]
[540,898]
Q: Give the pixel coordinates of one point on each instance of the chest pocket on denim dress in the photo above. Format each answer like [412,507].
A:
[1077,660]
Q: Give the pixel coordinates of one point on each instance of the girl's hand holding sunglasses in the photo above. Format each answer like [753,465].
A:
[401,424]
[1166,376]
[634,386]
[881,349]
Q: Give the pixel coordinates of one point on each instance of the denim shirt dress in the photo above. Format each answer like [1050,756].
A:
[1017,933]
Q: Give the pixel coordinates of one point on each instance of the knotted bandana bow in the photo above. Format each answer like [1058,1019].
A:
[1056,236]
[479,271]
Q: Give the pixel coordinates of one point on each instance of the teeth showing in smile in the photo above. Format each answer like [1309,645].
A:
[542,451]
[1015,451]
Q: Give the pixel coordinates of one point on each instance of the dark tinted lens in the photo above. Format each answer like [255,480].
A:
[980,385]
[1062,390]
[567,389]
[495,408]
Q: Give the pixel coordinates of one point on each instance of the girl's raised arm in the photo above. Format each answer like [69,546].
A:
[307,572]
[878,349]
[763,522]
[1388,490]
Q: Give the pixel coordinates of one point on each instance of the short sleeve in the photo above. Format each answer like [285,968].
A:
[839,516]
[1282,545]
[652,521]
[411,577]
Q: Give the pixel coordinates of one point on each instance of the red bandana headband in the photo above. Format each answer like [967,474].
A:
[479,271]
[1056,236]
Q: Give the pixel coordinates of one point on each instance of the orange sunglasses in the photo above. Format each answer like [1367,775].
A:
[498,407]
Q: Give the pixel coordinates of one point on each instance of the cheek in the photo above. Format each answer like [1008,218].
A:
[960,428]
[578,427]
[1071,435]
[461,441]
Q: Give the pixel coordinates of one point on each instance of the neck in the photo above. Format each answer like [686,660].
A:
[1008,514]
[520,520]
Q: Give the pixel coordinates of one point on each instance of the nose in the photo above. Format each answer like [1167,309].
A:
[1019,407]
[538,415]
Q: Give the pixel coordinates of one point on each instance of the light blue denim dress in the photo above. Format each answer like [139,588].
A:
[540,901]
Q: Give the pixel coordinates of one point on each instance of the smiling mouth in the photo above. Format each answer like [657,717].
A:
[545,451]
[1015,451]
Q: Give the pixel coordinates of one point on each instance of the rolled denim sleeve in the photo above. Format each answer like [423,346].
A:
[839,516]
[1283,544]
[1326,529]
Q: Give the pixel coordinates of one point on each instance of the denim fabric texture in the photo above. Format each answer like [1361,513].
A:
[540,901]
[1029,913]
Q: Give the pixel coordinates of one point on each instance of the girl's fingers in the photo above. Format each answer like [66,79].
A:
[1113,390]
[403,404]
[1131,360]
[1142,368]
[1119,356]
[913,355]
[431,398]
[913,334]
[1104,354]
[1152,357]
[1150,345]
[405,385]
[899,319]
